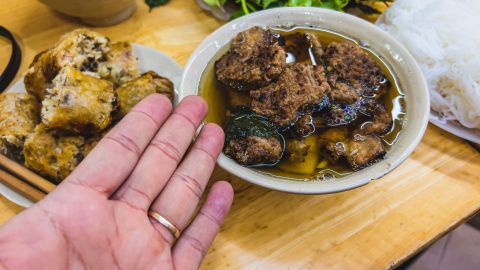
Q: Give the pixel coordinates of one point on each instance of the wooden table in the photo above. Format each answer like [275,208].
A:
[374,227]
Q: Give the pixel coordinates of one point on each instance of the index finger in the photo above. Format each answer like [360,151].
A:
[115,156]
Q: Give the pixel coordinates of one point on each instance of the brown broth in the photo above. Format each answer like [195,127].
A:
[216,95]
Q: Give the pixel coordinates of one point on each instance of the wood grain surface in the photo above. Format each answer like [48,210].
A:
[373,227]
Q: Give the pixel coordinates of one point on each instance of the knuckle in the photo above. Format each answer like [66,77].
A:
[207,153]
[185,118]
[145,115]
[191,183]
[136,198]
[168,149]
[195,244]
[211,218]
[124,141]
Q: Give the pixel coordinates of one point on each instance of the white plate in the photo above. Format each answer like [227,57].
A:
[455,128]
[148,59]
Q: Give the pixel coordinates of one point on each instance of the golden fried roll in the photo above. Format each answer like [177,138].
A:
[129,94]
[39,75]
[121,65]
[18,117]
[53,156]
[78,103]
[82,49]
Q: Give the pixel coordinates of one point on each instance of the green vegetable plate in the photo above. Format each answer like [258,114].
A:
[231,9]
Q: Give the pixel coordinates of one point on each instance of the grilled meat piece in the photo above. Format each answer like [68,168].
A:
[360,151]
[300,88]
[254,60]
[352,69]
[343,93]
[251,140]
[368,106]
[341,114]
[255,150]
[382,122]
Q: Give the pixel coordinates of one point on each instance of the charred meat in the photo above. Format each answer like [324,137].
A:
[352,69]
[255,150]
[360,151]
[300,87]
[253,141]
[380,124]
[341,114]
[254,60]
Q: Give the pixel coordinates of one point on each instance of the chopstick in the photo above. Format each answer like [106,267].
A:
[28,176]
[21,187]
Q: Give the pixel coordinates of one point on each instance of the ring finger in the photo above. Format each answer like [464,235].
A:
[179,199]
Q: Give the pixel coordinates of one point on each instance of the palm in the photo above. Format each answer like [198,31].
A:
[82,225]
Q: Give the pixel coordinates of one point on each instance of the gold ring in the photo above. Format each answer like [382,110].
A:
[165,223]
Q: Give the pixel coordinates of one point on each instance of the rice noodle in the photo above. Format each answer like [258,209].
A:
[444,37]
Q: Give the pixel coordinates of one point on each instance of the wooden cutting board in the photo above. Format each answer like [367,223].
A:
[373,227]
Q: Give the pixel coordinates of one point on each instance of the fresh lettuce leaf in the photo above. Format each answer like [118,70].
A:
[247,6]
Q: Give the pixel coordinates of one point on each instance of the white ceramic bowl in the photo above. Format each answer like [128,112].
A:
[408,73]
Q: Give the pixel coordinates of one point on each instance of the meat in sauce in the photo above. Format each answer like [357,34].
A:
[255,59]
[291,87]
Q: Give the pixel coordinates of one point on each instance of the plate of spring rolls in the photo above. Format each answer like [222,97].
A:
[71,95]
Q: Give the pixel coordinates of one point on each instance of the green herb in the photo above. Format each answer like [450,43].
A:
[155,3]
[244,7]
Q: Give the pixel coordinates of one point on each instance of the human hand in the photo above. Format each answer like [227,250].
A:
[97,218]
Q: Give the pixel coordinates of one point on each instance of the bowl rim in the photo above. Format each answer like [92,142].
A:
[355,179]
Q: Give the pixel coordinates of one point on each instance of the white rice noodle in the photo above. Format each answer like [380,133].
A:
[444,37]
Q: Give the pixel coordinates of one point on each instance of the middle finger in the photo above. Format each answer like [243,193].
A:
[163,155]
